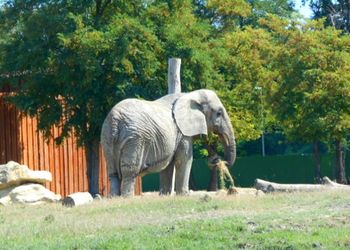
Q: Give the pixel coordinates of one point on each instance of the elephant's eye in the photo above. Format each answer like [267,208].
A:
[219,113]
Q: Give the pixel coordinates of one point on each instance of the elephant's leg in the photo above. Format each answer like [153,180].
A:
[112,170]
[166,179]
[183,163]
[128,186]
[115,185]
[130,165]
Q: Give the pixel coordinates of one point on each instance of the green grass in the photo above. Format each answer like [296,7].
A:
[319,220]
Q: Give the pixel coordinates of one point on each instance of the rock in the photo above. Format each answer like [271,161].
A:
[97,197]
[31,193]
[15,174]
[77,199]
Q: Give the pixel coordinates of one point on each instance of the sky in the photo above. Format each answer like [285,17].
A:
[304,10]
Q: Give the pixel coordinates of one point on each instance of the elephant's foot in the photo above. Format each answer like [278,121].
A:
[165,191]
[115,185]
[127,187]
[183,192]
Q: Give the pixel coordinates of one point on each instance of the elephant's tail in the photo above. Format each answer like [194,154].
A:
[110,145]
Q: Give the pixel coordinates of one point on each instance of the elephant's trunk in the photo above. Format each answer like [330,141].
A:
[228,139]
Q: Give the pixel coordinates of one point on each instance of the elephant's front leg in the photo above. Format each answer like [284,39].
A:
[183,164]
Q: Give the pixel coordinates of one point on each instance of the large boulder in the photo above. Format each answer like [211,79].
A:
[31,193]
[15,174]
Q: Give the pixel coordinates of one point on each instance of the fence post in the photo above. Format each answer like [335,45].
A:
[174,81]
[174,86]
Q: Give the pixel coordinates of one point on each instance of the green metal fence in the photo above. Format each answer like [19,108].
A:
[282,169]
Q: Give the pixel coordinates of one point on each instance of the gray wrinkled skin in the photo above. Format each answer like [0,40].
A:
[140,137]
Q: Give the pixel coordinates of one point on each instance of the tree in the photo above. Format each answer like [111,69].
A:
[311,99]
[336,12]
[245,67]
[184,35]
[240,52]
[230,14]
[76,60]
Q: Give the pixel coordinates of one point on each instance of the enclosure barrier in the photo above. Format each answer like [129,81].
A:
[21,141]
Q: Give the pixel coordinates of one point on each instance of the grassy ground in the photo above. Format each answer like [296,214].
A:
[319,220]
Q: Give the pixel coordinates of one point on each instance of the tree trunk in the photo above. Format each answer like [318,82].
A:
[269,187]
[340,151]
[213,184]
[77,199]
[317,156]
[93,166]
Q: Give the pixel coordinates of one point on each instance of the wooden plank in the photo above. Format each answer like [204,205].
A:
[139,186]
[81,174]
[13,131]
[66,168]
[18,135]
[56,167]
[18,154]
[6,134]
[76,181]
[46,160]
[104,189]
[71,172]
[25,140]
[86,184]
[30,143]
[41,145]
[2,131]
[36,153]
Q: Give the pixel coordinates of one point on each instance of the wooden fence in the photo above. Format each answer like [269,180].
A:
[20,141]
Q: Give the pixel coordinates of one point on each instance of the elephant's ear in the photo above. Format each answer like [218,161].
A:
[187,111]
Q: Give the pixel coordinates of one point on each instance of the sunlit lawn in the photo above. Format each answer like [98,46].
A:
[319,220]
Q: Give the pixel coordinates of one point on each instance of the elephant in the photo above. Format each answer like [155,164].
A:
[140,137]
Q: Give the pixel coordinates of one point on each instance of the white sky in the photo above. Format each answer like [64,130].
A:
[304,10]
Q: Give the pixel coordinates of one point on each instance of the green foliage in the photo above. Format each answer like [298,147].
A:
[311,98]
[335,12]
[73,60]
[77,60]
[245,65]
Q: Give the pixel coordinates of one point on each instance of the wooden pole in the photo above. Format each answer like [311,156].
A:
[174,86]
[174,81]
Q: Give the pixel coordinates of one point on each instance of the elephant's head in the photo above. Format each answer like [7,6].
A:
[200,112]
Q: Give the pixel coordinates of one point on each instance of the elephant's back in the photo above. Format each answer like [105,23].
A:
[138,115]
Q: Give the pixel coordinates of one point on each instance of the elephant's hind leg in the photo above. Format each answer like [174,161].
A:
[112,169]
[130,166]
[115,185]
[128,185]
[166,179]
